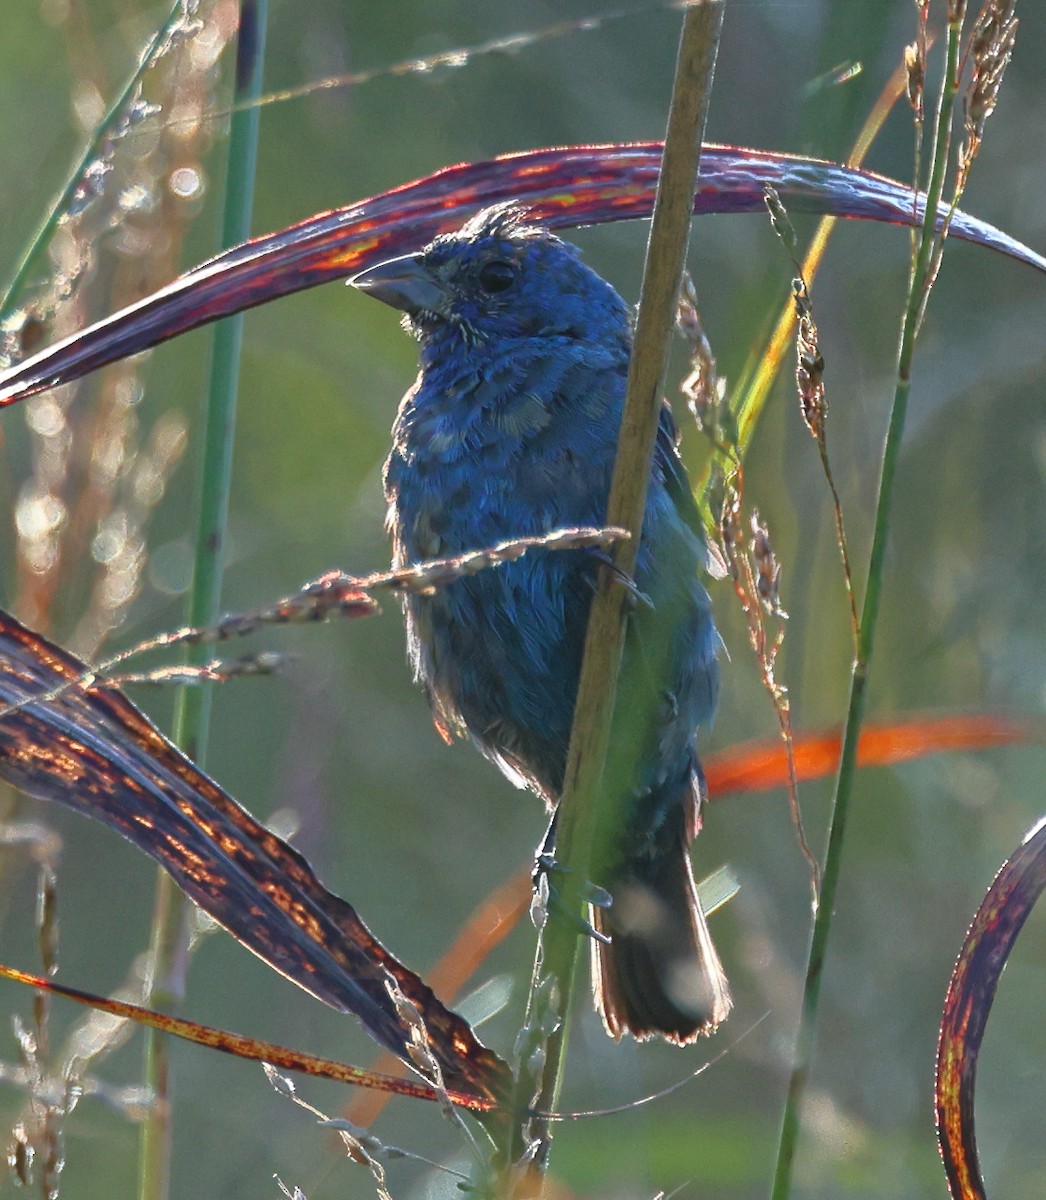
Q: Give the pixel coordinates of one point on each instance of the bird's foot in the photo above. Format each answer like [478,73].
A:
[548,899]
[627,582]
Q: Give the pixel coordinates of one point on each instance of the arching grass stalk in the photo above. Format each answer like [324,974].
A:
[169,939]
[923,270]
[63,202]
[750,391]
[580,816]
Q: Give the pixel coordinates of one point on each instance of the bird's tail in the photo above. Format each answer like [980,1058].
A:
[660,975]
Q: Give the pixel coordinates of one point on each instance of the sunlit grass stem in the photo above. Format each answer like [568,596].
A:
[192,705]
[579,811]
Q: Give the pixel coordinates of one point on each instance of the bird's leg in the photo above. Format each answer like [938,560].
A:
[627,582]
[547,898]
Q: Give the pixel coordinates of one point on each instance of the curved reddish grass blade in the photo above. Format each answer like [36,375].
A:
[563,187]
[246,1047]
[971,990]
[95,752]
[486,928]
[758,765]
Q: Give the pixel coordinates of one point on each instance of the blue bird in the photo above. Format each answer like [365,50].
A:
[511,430]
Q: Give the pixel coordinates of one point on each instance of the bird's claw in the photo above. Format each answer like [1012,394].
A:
[548,900]
[546,865]
[627,582]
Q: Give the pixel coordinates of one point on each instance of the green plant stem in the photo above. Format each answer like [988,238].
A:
[169,937]
[580,816]
[62,202]
[919,283]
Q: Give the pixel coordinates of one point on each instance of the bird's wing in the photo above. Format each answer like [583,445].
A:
[677,484]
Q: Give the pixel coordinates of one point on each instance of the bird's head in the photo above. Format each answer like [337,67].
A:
[498,278]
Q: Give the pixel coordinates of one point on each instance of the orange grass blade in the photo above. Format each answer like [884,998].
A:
[247,1047]
[753,766]
[759,765]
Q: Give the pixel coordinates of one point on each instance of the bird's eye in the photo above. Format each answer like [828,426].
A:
[497,276]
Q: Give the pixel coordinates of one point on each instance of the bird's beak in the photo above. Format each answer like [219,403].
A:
[404,283]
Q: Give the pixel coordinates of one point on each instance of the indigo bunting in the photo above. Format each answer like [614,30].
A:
[511,430]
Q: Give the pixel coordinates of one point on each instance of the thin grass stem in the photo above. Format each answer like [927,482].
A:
[920,279]
[169,942]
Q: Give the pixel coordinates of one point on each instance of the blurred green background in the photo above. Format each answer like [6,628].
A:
[416,834]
